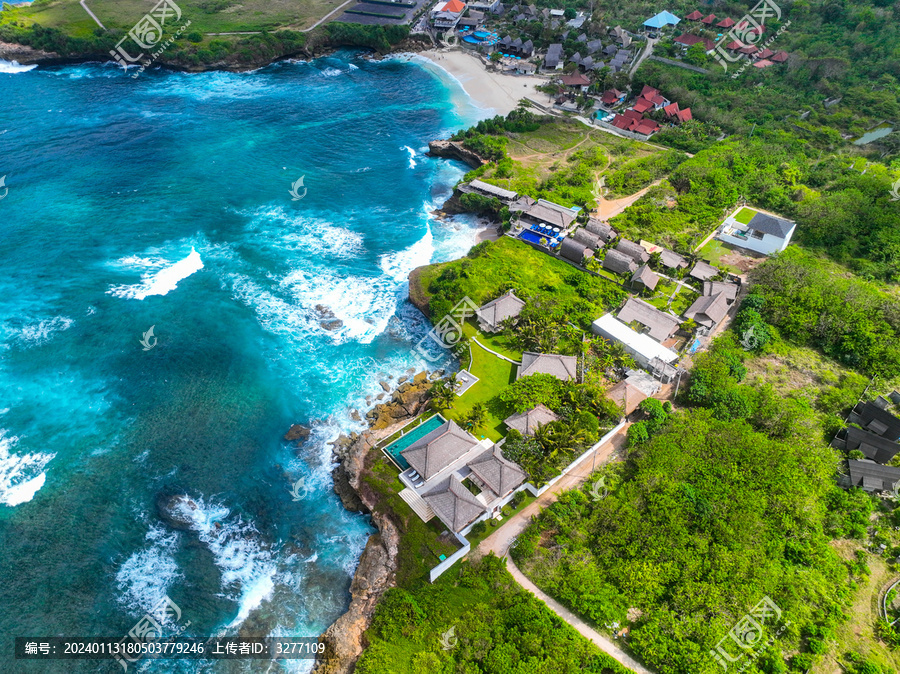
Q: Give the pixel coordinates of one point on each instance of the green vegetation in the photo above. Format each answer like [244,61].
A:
[716,509]
[494,374]
[498,628]
[636,174]
[745,215]
[82,38]
[812,302]
[509,264]
[845,213]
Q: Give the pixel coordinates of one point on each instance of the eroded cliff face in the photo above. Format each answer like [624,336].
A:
[451,149]
[344,639]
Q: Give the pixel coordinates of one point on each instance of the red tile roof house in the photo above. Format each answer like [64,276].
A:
[708,20]
[764,54]
[734,45]
[763,63]
[674,113]
[685,115]
[576,80]
[725,23]
[612,97]
[642,106]
[749,50]
[780,57]
[688,40]
[696,15]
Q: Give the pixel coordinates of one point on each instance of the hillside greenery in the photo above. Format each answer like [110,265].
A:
[497,628]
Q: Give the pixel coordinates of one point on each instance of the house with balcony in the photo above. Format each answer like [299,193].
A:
[757,231]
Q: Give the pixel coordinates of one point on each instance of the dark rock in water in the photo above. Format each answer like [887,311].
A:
[354,414]
[333,324]
[380,396]
[297,432]
[177,510]
[402,379]
[385,386]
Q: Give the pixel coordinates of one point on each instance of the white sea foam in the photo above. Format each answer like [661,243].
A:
[163,281]
[398,265]
[21,476]
[12,67]
[295,231]
[332,72]
[41,332]
[146,576]
[248,570]
[412,156]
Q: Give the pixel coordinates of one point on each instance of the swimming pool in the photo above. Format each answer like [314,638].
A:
[471,40]
[393,450]
[482,34]
[534,237]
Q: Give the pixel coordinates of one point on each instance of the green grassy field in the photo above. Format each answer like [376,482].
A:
[206,16]
[745,215]
[501,343]
[494,374]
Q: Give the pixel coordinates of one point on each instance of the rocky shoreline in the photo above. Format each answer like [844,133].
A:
[375,574]
[26,55]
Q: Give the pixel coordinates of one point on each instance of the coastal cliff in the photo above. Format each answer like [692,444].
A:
[355,455]
[451,149]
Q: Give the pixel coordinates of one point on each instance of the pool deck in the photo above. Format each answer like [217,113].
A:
[396,458]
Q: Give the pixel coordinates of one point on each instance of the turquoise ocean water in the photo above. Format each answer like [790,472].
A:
[165,202]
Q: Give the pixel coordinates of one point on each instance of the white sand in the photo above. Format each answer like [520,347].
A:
[488,90]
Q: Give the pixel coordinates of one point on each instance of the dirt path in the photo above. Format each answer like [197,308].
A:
[607,208]
[500,540]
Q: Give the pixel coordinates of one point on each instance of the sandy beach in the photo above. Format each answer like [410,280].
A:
[487,89]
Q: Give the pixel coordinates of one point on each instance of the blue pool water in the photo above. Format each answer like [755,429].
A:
[393,450]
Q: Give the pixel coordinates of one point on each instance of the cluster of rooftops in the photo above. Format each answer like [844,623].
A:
[635,118]
[873,430]
[444,459]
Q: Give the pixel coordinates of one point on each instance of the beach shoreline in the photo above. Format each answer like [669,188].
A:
[488,90]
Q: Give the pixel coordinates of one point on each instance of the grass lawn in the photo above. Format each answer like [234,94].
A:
[494,374]
[509,263]
[501,343]
[744,216]
[714,251]
[684,299]
[214,17]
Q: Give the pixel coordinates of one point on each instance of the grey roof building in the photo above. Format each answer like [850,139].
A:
[561,367]
[644,278]
[708,310]
[498,474]
[769,224]
[873,446]
[594,46]
[573,250]
[551,214]
[454,504]
[493,313]
[601,229]
[554,54]
[590,240]
[872,476]
[660,325]
[492,190]
[527,422]
[633,250]
[618,263]
[671,259]
[878,421]
[715,287]
[704,271]
[433,452]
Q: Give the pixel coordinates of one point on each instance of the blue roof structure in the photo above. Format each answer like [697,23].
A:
[664,18]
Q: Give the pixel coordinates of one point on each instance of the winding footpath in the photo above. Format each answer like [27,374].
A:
[500,541]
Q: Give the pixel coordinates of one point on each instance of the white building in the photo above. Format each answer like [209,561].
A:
[446,15]
[643,348]
[492,6]
[764,234]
